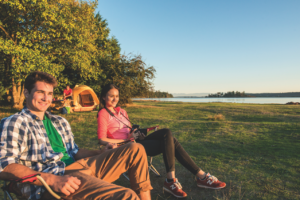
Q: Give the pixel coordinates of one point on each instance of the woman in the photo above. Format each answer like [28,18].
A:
[114,127]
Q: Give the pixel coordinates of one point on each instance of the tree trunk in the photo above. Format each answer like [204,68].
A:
[18,94]
[22,97]
[15,94]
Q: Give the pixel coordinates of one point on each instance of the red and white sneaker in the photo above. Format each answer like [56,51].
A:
[210,182]
[174,188]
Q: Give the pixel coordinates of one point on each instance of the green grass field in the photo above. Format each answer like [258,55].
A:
[253,148]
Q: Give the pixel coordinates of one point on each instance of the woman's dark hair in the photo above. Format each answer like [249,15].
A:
[104,91]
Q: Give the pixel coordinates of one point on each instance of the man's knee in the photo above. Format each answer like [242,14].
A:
[123,194]
[130,194]
[136,147]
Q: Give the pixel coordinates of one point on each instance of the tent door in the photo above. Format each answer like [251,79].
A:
[86,100]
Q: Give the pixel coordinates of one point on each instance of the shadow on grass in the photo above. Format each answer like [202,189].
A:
[8,109]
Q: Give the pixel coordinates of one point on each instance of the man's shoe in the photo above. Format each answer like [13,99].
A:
[174,188]
[210,182]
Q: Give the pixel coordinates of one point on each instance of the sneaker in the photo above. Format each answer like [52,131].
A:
[174,188]
[210,182]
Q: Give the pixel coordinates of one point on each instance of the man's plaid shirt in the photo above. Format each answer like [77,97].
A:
[24,141]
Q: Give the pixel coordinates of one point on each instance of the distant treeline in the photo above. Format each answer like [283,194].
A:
[229,94]
[286,94]
[156,94]
[243,94]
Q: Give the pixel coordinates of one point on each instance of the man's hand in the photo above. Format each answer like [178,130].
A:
[108,146]
[64,184]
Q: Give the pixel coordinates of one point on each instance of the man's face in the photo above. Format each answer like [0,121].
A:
[40,97]
[68,87]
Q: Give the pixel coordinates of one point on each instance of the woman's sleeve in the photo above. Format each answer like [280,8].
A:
[102,124]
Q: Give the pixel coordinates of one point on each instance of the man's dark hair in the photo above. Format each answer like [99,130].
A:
[35,76]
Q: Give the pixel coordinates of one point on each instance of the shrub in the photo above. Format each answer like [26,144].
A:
[217,117]
[3,91]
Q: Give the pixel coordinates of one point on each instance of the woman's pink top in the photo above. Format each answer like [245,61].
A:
[110,127]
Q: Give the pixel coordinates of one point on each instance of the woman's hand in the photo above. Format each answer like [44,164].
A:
[141,136]
[133,134]
[136,134]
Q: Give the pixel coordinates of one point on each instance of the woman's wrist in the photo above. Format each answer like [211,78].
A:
[129,136]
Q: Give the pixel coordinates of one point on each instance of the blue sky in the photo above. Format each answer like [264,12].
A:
[211,46]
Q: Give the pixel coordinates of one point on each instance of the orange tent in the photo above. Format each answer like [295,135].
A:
[84,98]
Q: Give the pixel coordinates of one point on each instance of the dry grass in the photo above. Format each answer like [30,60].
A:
[254,149]
[217,117]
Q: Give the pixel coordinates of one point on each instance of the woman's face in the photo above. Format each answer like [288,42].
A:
[112,98]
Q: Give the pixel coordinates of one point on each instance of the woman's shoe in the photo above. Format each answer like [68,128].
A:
[174,188]
[210,182]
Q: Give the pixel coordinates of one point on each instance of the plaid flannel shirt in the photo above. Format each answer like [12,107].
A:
[23,140]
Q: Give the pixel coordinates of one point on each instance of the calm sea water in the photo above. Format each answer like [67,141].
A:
[256,100]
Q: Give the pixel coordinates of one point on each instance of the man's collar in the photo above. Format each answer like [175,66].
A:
[27,111]
[33,116]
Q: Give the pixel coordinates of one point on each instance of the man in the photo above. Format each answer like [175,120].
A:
[34,141]
[68,93]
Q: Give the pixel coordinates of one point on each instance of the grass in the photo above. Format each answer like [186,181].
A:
[253,148]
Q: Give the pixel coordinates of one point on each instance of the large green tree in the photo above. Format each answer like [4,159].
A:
[108,50]
[47,36]
[129,73]
[65,39]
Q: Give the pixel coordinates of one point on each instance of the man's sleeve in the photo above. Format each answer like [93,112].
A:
[12,134]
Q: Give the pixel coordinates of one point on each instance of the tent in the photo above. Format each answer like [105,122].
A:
[84,98]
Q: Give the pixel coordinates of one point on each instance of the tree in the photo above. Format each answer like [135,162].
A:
[65,39]
[49,36]
[158,94]
[130,74]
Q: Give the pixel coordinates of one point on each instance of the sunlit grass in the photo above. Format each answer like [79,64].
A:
[253,148]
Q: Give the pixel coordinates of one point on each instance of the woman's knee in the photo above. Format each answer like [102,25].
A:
[168,132]
[175,140]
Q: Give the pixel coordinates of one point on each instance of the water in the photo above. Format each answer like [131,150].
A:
[255,100]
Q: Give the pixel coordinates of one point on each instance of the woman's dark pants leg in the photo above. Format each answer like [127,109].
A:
[162,141]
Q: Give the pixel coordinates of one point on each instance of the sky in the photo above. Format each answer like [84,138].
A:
[212,46]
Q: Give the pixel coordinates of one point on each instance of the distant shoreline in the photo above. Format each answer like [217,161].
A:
[226,97]
[247,95]
[252,100]
[241,97]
